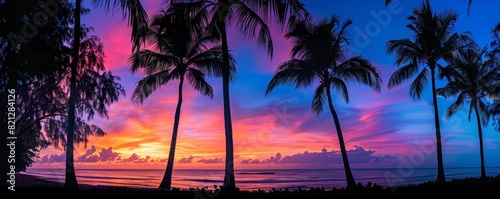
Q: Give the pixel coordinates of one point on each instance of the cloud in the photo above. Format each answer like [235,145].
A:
[108,154]
[250,161]
[136,159]
[356,156]
[143,160]
[211,161]
[186,160]
[132,158]
[92,155]
[53,158]
[273,159]
[89,156]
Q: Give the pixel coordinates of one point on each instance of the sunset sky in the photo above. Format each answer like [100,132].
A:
[381,130]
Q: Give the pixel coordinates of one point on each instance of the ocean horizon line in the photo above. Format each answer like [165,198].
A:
[267,169]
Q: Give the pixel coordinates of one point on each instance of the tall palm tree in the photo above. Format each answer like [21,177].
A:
[318,53]
[433,40]
[181,52]
[70,179]
[251,17]
[470,77]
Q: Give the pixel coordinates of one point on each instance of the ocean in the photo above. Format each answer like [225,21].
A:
[257,179]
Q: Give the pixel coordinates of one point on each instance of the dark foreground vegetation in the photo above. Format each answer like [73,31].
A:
[460,187]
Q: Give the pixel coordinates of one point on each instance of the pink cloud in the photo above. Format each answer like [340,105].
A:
[358,155]
[211,161]
[186,160]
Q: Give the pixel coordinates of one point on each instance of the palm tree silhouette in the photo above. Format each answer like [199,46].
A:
[251,16]
[70,179]
[433,40]
[181,51]
[318,54]
[470,77]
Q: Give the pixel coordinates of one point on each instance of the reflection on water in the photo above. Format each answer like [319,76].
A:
[256,179]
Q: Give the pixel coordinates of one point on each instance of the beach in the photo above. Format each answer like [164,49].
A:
[28,184]
[255,179]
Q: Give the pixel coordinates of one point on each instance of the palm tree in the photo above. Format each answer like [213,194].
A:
[318,54]
[251,17]
[433,40]
[470,78]
[70,179]
[181,51]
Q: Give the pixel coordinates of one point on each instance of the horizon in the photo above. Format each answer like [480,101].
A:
[250,169]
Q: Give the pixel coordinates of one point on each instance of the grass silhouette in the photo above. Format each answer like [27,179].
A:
[456,187]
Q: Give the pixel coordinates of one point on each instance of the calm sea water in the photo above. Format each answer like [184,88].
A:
[258,179]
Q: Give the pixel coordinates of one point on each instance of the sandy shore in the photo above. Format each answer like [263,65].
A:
[28,184]
[24,180]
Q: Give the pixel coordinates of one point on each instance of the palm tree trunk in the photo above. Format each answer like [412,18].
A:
[70,180]
[481,151]
[167,177]
[347,168]
[440,176]
[229,182]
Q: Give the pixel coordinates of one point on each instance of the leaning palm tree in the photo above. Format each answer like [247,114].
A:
[181,52]
[470,77]
[251,17]
[433,40]
[318,53]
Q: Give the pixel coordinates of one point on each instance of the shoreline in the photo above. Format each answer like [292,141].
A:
[29,183]
[26,180]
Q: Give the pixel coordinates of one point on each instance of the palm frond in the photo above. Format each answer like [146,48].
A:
[302,36]
[455,43]
[197,80]
[283,12]
[403,73]
[405,50]
[484,112]
[418,85]
[135,14]
[340,85]
[151,61]
[254,27]
[210,62]
[450,89]
[149,84]
[319,99]
[445,23]
[360,70]
[296,72]
[202,44]
[457,105]
[341,34]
